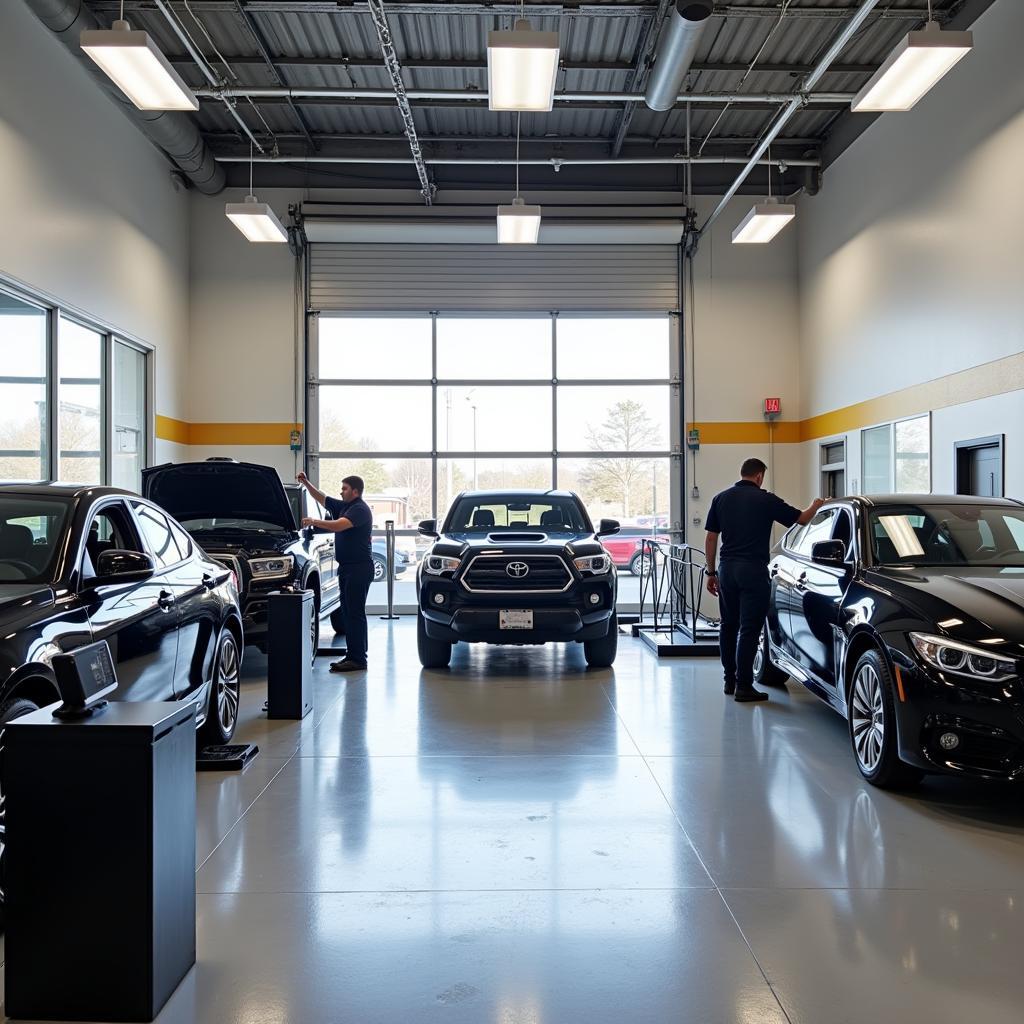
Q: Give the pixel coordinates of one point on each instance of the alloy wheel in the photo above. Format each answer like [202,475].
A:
[228,685]
[759,655]
[379,570]
[867,719]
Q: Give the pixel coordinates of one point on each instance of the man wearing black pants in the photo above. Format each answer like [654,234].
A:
[744,515]
[352,526]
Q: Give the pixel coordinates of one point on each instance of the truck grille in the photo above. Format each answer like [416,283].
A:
[489,574]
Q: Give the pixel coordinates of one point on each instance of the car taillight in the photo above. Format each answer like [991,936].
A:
[234,579]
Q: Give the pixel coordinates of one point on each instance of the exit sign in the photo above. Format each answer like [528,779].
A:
[772,406]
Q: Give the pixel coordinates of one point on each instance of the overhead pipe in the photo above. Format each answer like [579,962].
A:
[173,132]
[313,92]
[675,51]
[555,163]
[844,37]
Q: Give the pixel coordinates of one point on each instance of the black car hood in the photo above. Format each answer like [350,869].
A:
[207,490]
[989,601]
[18,599]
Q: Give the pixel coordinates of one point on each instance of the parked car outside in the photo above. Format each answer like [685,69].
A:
[627,551]
[83,564]
[241,515]
[905,613]
[516,567]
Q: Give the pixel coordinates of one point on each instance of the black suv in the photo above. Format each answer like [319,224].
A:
[523,567]
[240,514]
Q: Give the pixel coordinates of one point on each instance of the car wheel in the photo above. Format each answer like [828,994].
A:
[225,693]
[765,673]
[315,628]
[872,720]
[433,653]
[601,653]
[14,708]
[640,565]
[380,569]
[338,622]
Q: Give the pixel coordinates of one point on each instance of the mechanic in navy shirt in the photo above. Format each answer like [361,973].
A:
[352,524]
[743,515]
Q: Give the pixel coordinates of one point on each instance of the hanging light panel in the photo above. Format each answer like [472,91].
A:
[256,220]
[518,224]
[763,222]
[919,60]
[137,67]
[521,68]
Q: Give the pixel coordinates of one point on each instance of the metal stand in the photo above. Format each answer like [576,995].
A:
[389,541]
[675,585]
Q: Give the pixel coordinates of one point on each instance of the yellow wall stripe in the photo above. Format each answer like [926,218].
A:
[168,429]
[178,431]
[784,431]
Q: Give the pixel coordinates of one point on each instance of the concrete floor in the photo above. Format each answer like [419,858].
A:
[521,841]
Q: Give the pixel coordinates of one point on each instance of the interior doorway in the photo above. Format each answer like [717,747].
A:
[979,466]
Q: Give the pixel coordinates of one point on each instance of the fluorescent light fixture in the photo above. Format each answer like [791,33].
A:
[919,60]
[256,220]
[521,68]
[518,224]
[135,65]
[763,222]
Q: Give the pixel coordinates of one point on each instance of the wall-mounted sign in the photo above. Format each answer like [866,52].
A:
[693,440]
[772,406]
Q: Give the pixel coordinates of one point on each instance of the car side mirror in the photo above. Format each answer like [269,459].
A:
[607,527]
[428,527]
[118,566]
[829,552]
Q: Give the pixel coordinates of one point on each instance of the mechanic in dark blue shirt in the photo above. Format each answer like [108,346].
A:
[743,515]
[352,525]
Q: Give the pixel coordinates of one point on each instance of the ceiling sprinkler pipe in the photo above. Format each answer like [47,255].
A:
[675,52]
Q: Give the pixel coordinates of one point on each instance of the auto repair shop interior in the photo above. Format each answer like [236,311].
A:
[543,276]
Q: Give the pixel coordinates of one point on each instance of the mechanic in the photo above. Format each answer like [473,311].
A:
[743,515]
[352,525]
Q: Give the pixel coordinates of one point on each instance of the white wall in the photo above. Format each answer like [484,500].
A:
[88,211]
[910,256]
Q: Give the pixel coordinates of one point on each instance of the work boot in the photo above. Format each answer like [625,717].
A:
[730,687]
[348,665]
[749,696]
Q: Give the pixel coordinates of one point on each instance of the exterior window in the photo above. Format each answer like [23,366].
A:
[876,446]
[80,403]
[23,394]
[128,451]
[912,448]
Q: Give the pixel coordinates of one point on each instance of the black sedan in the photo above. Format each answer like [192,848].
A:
[84,564]
[524,567]
[905,613]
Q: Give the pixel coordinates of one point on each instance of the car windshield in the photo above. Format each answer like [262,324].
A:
[516,512]
[228,524]
[955,534]
[30,533]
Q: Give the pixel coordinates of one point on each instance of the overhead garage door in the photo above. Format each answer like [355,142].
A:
[388,277]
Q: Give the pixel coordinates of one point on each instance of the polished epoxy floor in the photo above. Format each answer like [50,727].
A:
[522,841]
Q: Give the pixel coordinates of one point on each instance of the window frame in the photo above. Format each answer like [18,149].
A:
[891,425]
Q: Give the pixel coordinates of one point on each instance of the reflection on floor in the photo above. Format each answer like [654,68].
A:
[519,840]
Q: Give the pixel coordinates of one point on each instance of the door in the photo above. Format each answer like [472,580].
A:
[783,571]
[139,621]
[191,583]
[819,596]
[979,467]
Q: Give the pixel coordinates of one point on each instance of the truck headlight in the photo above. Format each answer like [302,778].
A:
[271,568]
[961,659]
[593,563]
[437,565]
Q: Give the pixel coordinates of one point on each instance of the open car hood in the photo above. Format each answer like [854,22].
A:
[206,490]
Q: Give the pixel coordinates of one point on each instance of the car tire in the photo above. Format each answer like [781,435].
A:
[601,653]
[380,569]
[338,622]
[765,673]
[225,693]
[871,715]
[433,653]
[9,710]
[639,565]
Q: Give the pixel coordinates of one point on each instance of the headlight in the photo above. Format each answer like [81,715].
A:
[962,659]
[438,564]
[593,563]
[271,568]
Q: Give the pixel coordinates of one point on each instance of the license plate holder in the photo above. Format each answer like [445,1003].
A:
[515,618]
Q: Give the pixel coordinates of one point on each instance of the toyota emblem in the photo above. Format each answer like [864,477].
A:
[517,569]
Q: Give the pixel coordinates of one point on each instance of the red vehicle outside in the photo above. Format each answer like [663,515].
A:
[627,553]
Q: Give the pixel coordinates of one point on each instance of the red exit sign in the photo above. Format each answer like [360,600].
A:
[772,406]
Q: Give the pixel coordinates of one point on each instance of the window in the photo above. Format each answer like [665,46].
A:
[110,530]
[30,533]
[833,469]
[181,538]
[158,535]
[818,529]
[91,412]
[896,457]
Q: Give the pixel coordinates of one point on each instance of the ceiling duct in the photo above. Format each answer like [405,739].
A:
[175,133]
[676,49]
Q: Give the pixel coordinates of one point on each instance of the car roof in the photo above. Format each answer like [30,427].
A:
[65,491]
[518,492]
[872,500]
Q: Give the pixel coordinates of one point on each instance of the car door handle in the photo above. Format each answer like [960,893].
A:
[165,600]
[801,583]
[774,571]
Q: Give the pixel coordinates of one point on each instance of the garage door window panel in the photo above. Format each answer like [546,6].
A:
[494,349]
[610,418]
[375,418]
[494,418]
[375,348]
[613,348]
